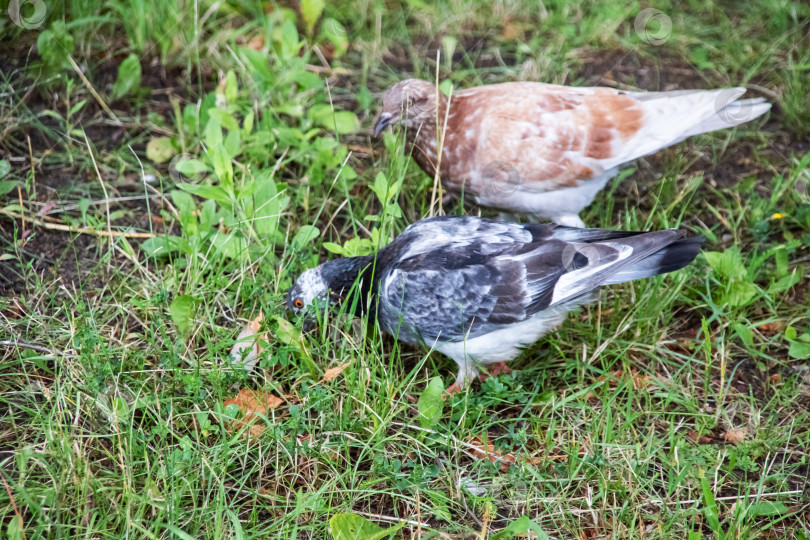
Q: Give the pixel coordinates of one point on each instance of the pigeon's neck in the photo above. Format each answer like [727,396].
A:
[342,279]
[427,139]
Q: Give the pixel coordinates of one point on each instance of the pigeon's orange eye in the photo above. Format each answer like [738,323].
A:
[298,303]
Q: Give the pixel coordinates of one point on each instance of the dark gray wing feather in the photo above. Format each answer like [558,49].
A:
[457,278]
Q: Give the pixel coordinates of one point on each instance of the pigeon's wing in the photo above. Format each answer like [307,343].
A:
[482,236]
[455,292]
[476,285]
[545,137]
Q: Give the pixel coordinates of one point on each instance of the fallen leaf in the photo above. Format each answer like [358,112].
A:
[14,309]
[487,451]
[734,436]
[771,328]
[331,373]
[698,438]
[256,43]
[252,403]
[246,351]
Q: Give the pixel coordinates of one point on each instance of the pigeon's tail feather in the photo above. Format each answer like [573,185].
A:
[735,113]
[672,257]
[592,265]
[671,117]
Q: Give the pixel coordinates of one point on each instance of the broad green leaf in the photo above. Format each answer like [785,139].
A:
[727,264]
[15,528]
[5,168]
[213,132]
[336,34]
[354,527]
[800,350]
[225,118]
[331,247]
[288,334]
[129,76]
[744,333]
[207,192]
[311,11]
[710,508]
[163,245]
[6,186]
[187,209]
[380,188]
[231,87]
[208,215]
[231,245]
[767,508]
[305,235]
[341,122]
[268,204]
[160,149]
[445,86]
[233,143]
[521,526]
[55,45]
[182,311]
[191,167]
[223,168]
[740,293]
[430,403]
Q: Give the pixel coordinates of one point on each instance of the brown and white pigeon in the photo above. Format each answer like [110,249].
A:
[480,290]
[544,149]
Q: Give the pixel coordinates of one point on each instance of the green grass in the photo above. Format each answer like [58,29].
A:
[226,151]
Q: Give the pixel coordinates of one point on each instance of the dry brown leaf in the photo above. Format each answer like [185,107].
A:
[487,451]
[14,309]
[331,373]
[700,439]
[253,403]
[243,343]
[771,328]
[256,43]
[734,436]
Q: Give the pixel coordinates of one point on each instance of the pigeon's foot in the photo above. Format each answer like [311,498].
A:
[493,370]
[453,389]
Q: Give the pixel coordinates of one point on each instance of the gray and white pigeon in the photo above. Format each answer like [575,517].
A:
[480,290]
[545,149]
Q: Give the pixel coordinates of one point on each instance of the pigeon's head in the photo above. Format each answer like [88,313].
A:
[324,285]
[411,102]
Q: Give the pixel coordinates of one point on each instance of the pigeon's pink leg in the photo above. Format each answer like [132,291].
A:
[454,389]
[494,370]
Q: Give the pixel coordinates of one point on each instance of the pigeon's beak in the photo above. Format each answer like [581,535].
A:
[382,123]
